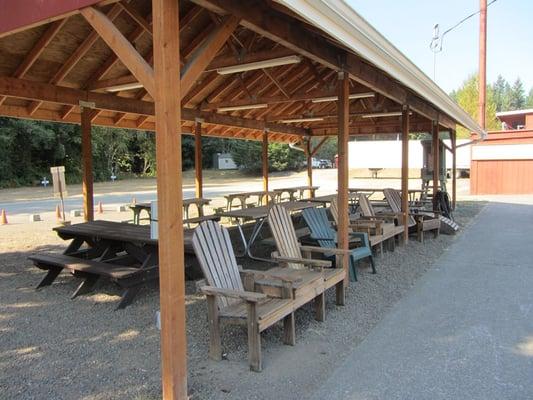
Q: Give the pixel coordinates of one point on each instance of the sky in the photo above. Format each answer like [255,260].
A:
[408,24]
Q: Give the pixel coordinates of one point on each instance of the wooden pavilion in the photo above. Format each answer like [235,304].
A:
[271,70]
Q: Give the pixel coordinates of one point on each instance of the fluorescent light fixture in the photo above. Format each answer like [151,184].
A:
[382,114]
[275,62]
[243,107]
[351,97]
[126,86]
[296,120]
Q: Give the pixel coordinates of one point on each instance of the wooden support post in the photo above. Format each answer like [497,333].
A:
[199,182]
[453,137]
[169,196]
[309,155]
[265,162]
[436,161]
[405,172]
[343,111]
[87,164]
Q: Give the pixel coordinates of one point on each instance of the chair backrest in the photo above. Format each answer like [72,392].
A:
[366,207]
[213,249]
[318,222]
[280,223]
[334,210]
[395,203]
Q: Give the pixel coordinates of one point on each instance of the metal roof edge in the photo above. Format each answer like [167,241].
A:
[343,23]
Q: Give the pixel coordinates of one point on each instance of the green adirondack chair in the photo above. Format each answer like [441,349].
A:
[326,237]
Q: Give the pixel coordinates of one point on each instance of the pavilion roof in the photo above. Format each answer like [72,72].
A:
[53,58]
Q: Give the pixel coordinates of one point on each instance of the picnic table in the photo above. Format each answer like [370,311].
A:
[259,215]
[328,198]
[123,253]
[292,192]
[199,202]
[242,197]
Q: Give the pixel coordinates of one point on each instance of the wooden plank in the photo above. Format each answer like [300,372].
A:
[199,183]
[405,171]
[343,108]
[201,58]
[264,152]
[309,155]
[121,47]
[87,165]
[436,153]
[166,91]
[136,16]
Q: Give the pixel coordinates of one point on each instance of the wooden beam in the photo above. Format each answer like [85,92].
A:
[343,105]
[166,91]
[30,90]
[37,50]
[318,146]
[453,137]
[87,165]
[264,149]
[202,56]
[277,83]
[405,172]
[309,156]
[198,159]
[436,153]
[121,47]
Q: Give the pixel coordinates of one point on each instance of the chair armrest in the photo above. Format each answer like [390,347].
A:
[304,261]
[324,250]
[266,275]
[251,297]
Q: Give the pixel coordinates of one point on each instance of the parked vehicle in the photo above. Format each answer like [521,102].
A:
[325,164]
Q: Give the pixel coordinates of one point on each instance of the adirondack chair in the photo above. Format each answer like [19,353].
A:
[389,226]
[418,222]
[326,237]
[291,254]
[231,297]
[372,228]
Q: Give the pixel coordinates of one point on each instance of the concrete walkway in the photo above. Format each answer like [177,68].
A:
[465,331]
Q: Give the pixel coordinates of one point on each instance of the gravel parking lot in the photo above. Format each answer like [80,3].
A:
[54,347]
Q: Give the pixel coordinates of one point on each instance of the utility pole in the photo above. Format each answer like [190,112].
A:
[482,61]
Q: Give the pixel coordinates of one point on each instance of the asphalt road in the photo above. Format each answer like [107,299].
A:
[465,331]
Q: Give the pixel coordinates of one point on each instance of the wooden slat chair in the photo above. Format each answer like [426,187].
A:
[390,222]
[232,301]
[372,228]
[291,254]
[416,221]
[326,237]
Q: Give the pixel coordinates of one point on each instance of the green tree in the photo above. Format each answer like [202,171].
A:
[517,95]
[530,99]
[328,150]
[467,97]
[502,94]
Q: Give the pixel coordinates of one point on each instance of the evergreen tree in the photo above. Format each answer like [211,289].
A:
[517,95]
[501,89]
[530,99]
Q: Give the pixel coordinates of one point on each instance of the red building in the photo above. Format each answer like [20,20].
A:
[503,162]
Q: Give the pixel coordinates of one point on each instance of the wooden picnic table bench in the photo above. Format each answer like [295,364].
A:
[199,202]
[242,198]
[295,193]
[123,253]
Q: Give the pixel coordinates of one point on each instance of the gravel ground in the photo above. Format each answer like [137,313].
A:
[56,348]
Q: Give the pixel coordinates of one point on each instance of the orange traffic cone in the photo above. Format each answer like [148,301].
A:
[58,213]
[3,218]
[100,208]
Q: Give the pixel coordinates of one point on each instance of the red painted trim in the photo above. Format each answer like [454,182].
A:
[16,15]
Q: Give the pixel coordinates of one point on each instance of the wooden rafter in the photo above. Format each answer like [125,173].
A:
[121,47]
[137,17]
